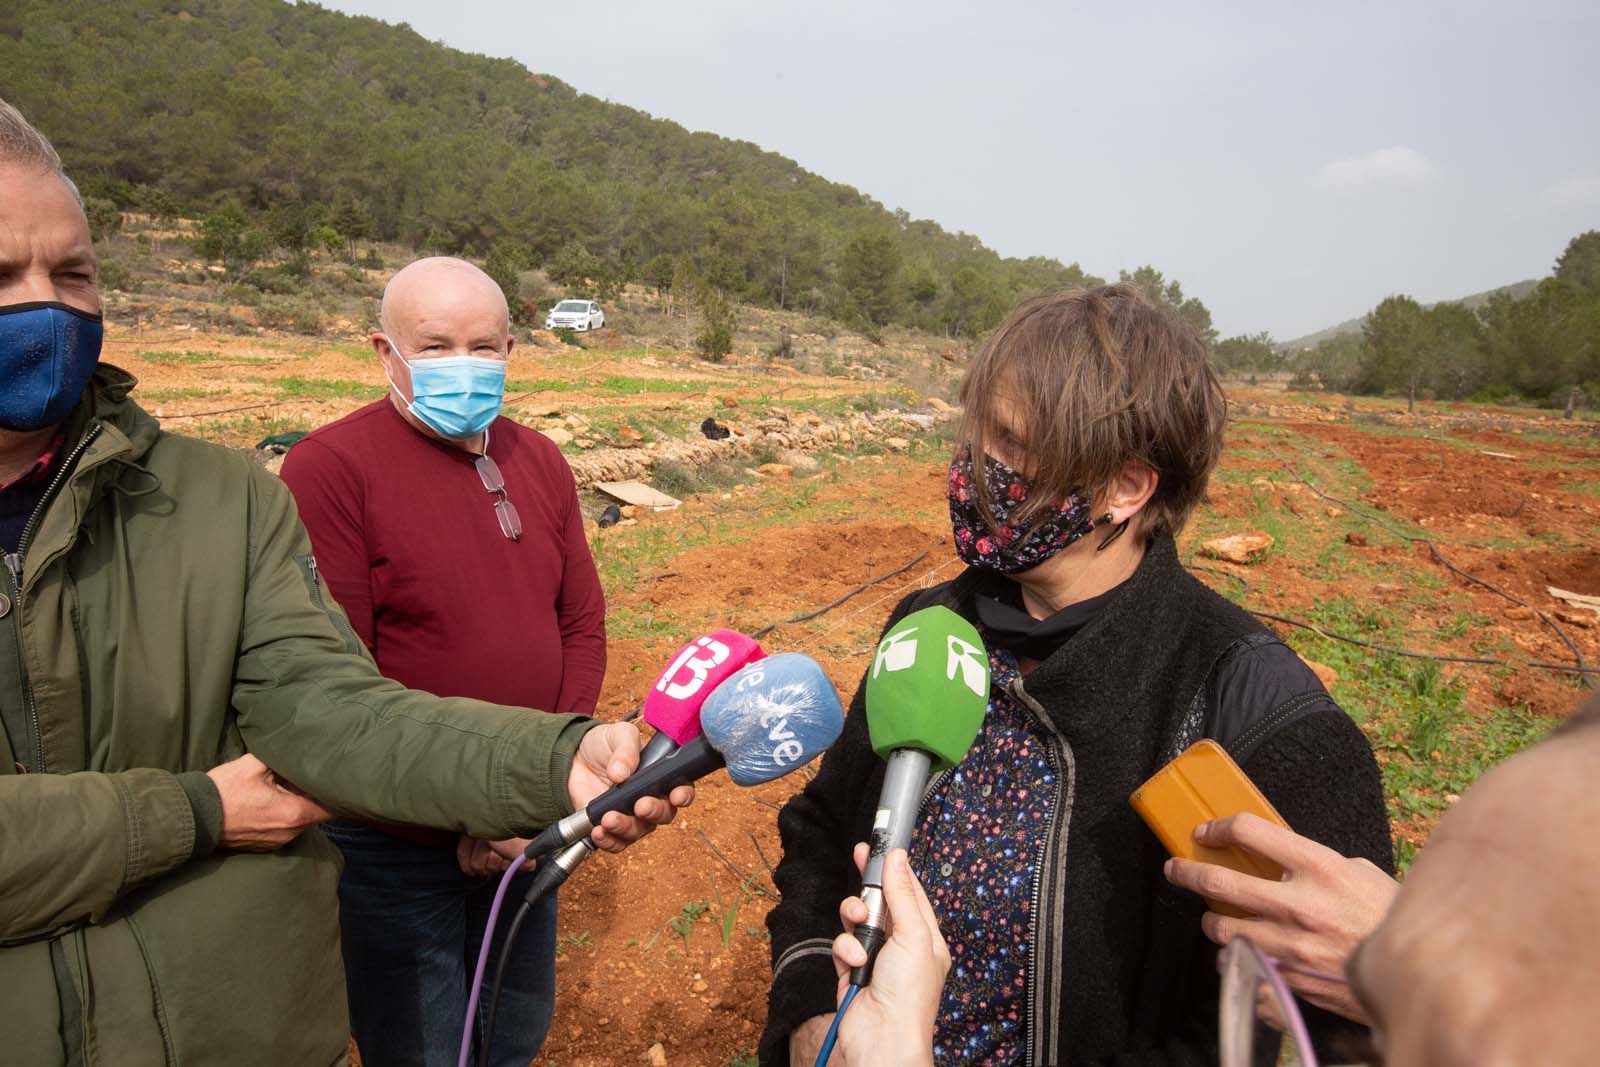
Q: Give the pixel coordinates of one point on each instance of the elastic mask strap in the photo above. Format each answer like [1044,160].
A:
[396,350]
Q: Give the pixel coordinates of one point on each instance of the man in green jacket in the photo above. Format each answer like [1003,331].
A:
[165,639]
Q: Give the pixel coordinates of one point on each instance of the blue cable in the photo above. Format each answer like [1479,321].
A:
[833,1030]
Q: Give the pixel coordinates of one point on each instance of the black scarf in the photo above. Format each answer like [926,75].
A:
[1007,624]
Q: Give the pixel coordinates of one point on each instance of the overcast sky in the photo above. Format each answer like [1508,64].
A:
[1290,164]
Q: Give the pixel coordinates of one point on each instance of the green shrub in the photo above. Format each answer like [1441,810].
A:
[289,313]
[674,478]
[718,320]
[104,218]
[568,336]
[1501,394]
[115,274]
[764,452]
[277,280]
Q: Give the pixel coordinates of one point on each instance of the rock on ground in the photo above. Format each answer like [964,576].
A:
[1237,548]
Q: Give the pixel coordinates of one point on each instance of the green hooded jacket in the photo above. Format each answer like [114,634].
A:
[166,616]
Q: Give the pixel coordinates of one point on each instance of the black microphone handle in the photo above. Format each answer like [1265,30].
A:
[572,857]
[656,748]
[686,764]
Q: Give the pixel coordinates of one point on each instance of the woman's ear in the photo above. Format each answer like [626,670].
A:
[1130,491]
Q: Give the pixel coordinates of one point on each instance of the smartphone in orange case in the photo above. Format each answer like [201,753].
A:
[1202,784]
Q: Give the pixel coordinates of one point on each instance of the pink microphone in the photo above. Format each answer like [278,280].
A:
[673,704]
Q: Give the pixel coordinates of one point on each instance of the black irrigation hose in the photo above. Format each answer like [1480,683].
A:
[224,411]
[765,630]
[1433,548]
[1331,636]
[1488,661]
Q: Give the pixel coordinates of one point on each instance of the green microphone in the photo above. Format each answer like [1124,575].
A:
[926,695]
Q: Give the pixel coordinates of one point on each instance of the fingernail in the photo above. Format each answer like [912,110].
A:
[1166,869]
[1201,830]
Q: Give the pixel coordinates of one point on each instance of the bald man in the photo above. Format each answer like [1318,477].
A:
[175,686]
[453,540]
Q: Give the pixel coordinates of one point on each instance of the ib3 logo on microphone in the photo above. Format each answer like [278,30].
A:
[698,659]
[898,652]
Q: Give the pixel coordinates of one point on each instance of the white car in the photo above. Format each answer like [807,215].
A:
[580,315]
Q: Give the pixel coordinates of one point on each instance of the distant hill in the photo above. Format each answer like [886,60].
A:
[367,126]
[1517,291]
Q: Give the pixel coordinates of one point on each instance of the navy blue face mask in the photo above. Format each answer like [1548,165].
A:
[47,353]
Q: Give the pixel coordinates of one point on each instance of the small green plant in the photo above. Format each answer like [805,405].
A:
[116,274]
[674,478]
[567,336]
[1425,679]
[583,939]
[683,922]
[744,1059]
[729,912]
[1428,728]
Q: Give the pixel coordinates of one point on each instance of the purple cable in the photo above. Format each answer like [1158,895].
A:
[483,962]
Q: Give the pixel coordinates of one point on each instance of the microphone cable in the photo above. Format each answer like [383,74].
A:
[871,938]
[550,874]
[833,1028]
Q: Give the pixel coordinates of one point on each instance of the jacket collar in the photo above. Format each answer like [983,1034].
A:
[1103,674]
[104,427]
[106,400]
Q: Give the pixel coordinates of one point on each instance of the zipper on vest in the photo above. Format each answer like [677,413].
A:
[14,565]
[1031,706]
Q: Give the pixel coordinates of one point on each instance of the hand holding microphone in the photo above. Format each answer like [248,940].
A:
[926,695]
[891,1022]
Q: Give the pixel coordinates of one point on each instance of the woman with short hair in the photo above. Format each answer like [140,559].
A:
[1092,423]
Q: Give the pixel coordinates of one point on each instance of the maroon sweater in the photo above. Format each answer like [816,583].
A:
[406,538]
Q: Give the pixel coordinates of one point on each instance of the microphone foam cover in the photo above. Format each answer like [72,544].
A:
[928,687]
[773,717]
[673,703]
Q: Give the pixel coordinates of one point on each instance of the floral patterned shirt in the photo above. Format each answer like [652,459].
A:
[976,850]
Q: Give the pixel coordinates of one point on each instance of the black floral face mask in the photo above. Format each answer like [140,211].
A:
[1009,548]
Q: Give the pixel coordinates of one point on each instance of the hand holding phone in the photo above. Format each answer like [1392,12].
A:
[1204,784]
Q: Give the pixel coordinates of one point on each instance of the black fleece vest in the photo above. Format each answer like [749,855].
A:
[1125,694]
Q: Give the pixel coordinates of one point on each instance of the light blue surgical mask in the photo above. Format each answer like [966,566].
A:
[455,396]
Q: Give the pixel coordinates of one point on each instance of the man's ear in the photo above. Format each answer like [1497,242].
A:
[511,342]
[1130,491]
[394,368]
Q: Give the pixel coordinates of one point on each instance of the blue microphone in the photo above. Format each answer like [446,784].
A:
[772,717]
